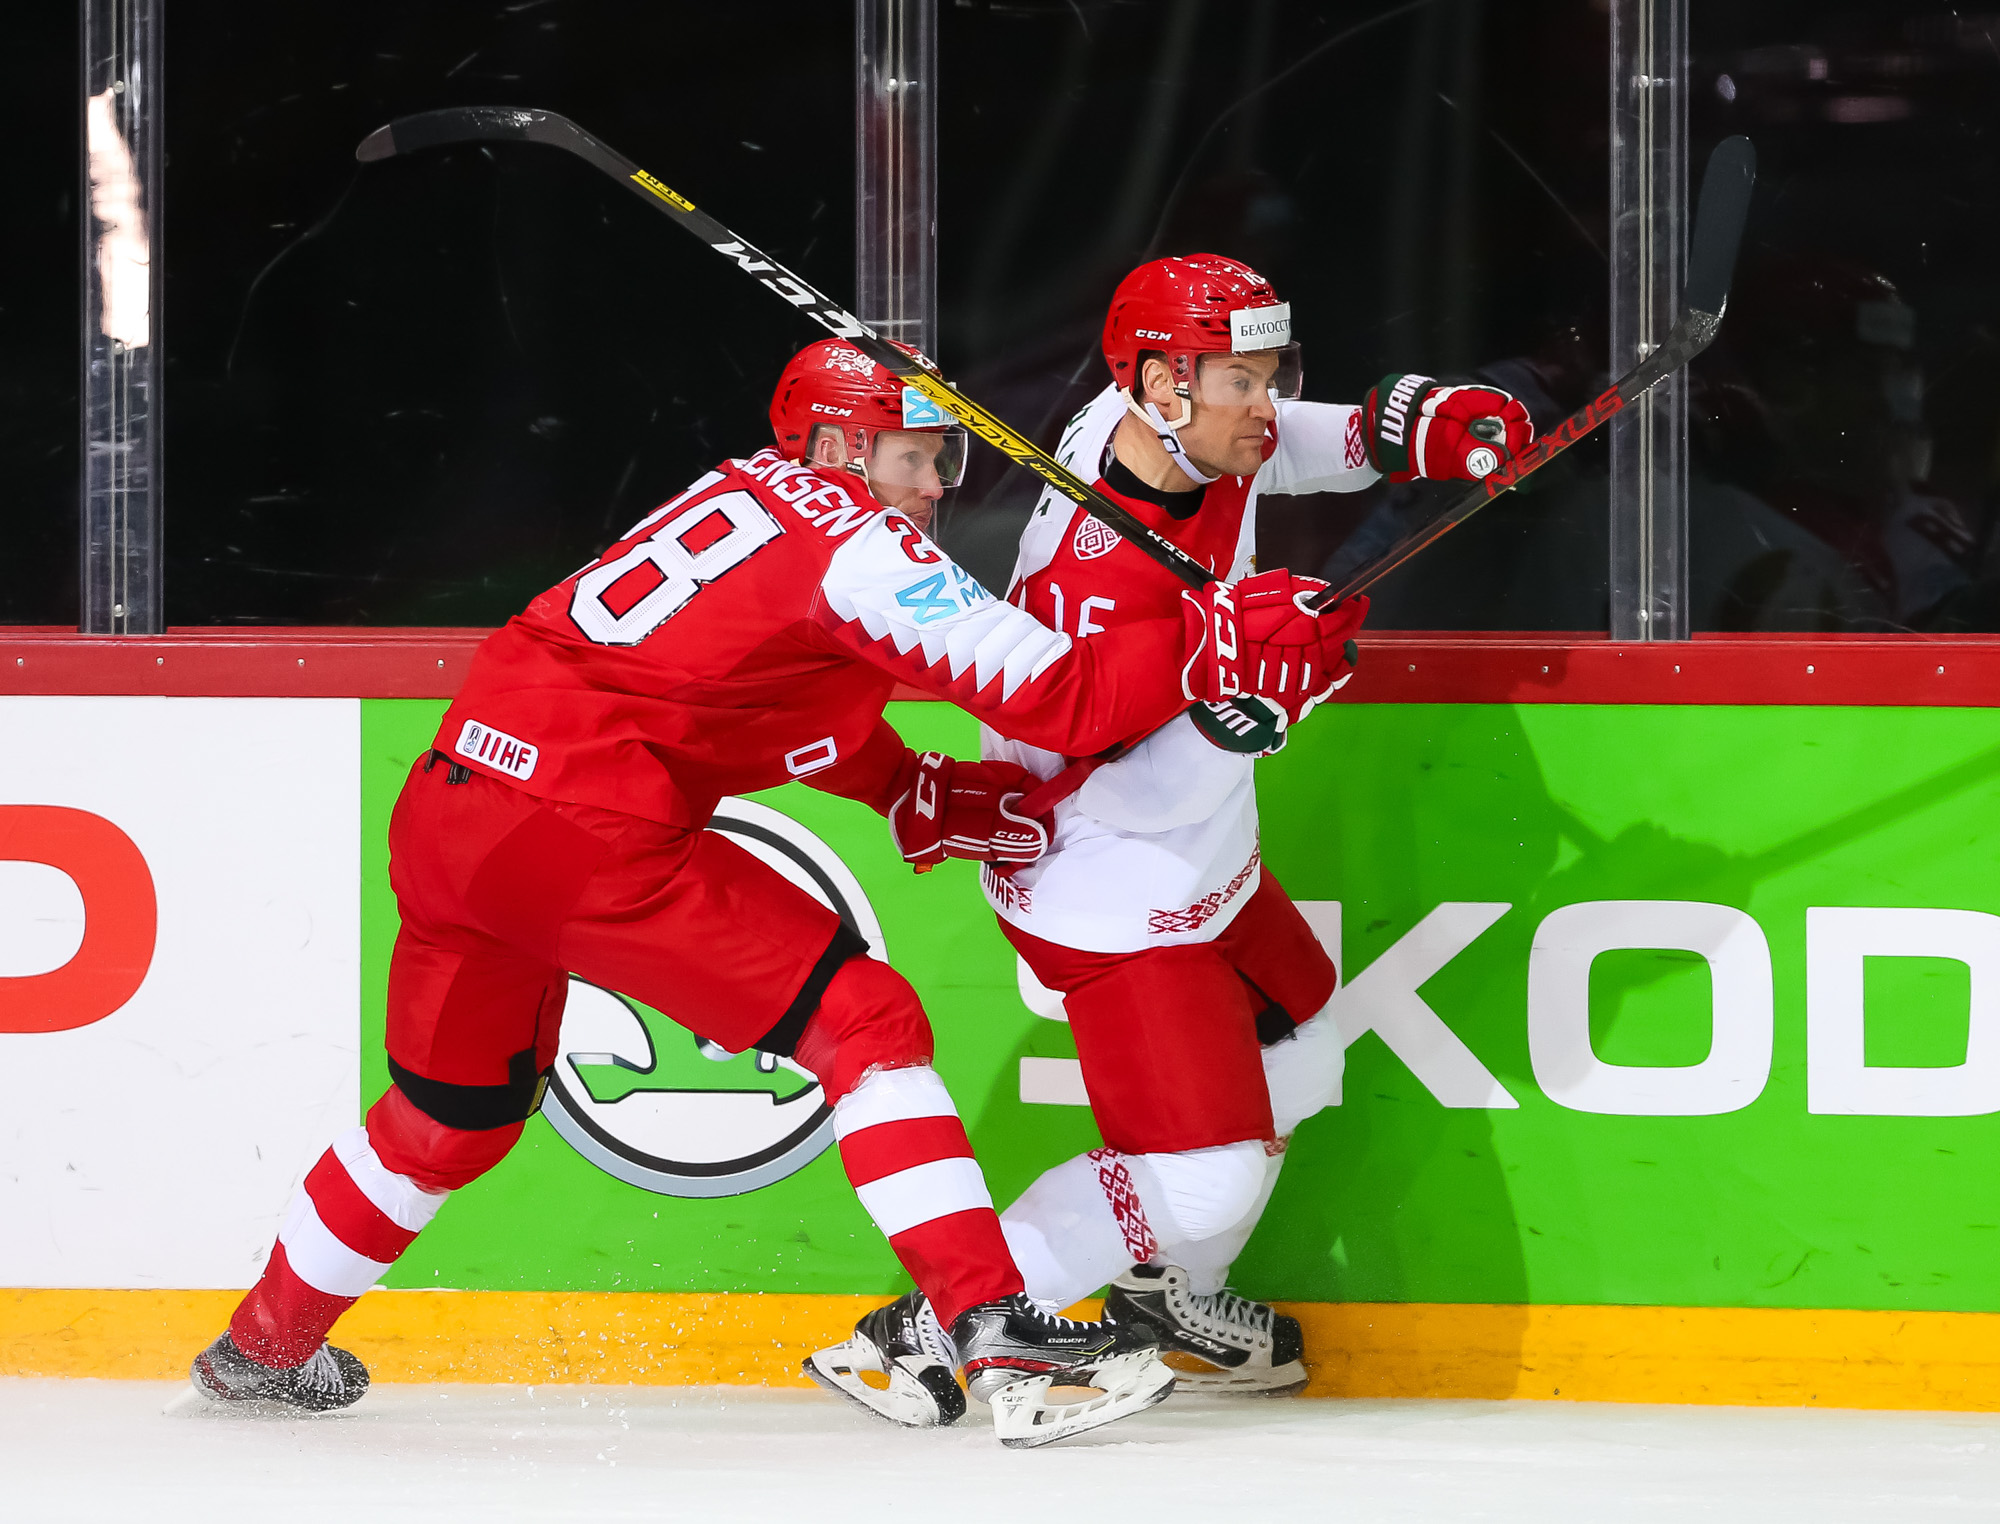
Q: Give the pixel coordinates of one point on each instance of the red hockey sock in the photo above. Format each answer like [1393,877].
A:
[350,1221]
[283,1320]
[912,1166]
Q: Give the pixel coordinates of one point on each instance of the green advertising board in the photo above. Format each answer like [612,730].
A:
[1680,1005]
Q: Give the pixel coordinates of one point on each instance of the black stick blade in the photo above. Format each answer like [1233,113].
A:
[379,144]
[1718,223]
[455,124]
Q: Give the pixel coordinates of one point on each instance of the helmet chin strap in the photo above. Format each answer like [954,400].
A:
[1169,431]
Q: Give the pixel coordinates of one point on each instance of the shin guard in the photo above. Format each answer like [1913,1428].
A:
[350,1221]
[912,1166]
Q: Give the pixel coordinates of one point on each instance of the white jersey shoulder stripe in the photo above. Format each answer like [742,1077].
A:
[1082,450]
[898,586]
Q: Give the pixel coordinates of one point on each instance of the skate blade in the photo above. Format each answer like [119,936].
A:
[189,1397]
[914,1399]
[1200,1379]
[198,1403]
[1043,1409]
[1195,1377]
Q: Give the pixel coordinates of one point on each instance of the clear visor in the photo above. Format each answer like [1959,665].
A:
[1237,380]
[917,458]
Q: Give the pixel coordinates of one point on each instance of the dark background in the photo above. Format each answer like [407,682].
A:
[419,392]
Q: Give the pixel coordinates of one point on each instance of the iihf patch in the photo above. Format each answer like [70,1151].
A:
[919,412]
[497,750]
[1093,538]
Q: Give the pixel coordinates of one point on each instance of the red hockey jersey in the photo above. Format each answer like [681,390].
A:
[750,630]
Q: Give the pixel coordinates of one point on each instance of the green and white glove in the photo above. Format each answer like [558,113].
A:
[1249,725]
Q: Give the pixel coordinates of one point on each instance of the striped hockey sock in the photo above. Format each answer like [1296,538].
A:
[906,1152]
[349,1222]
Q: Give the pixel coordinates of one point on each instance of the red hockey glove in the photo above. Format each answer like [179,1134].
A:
[965,809]
[1416,426]
[1257,637]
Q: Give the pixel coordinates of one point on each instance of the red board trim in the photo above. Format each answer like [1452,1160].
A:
[1396,668]
[259,663]
[1733,669]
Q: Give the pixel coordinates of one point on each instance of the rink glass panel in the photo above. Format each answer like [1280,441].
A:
[1392,810]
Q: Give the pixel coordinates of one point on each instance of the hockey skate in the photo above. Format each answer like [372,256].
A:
[1218,1344]
[332,1378]
[1044,1377]
[899,1366]
[1048,1377]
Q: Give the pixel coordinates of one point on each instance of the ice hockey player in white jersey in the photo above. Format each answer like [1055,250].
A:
[1194,988]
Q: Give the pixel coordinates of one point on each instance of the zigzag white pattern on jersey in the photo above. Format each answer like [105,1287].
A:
[993,639]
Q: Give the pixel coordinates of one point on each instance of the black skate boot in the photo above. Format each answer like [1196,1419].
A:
[1048,1377]
[898,1366]
[1220,1343]
[332,1378]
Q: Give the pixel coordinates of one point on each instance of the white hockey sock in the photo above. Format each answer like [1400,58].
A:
[1303,1074]
[1064,1235]
[1086,1221]
[1207,1260]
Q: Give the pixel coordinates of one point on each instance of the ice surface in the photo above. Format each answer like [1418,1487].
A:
[104,1450]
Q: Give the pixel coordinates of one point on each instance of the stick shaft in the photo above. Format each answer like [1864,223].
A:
[1689,337]
[475,124]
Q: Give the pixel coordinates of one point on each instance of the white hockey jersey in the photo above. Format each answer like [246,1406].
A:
[1160,847]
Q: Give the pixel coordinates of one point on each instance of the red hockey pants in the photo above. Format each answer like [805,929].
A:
[503,896]
[1170,1037]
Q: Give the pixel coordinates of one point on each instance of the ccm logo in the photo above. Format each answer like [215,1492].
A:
[827,407]
[1151,333]
[120,918]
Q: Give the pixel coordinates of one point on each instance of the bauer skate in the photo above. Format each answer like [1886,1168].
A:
[1047,1377]
[899,1366]
[332,1378]
[1044,1377]
[1218,1344]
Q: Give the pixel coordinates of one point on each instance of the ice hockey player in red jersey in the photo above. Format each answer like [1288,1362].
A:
[1195,990]
[746,632]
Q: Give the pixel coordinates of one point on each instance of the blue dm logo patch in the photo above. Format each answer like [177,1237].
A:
[919,412]
[927,600]
[935,598]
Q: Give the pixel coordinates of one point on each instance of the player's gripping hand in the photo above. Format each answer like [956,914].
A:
[966,809]
[1416,426]
[1259,636]
[1248,726]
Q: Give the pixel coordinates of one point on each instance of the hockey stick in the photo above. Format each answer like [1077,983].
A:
[1718,231]
[508,124]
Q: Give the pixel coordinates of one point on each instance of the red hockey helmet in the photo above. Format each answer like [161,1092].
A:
[831,384]
[1192,305]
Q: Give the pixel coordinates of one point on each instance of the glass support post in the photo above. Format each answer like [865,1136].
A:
[122,276]
[895,169]
[1649,200]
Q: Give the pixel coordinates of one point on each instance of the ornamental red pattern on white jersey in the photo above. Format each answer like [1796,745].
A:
[750,630]
[1204,910]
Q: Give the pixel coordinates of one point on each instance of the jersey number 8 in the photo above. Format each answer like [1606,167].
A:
[622,600]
